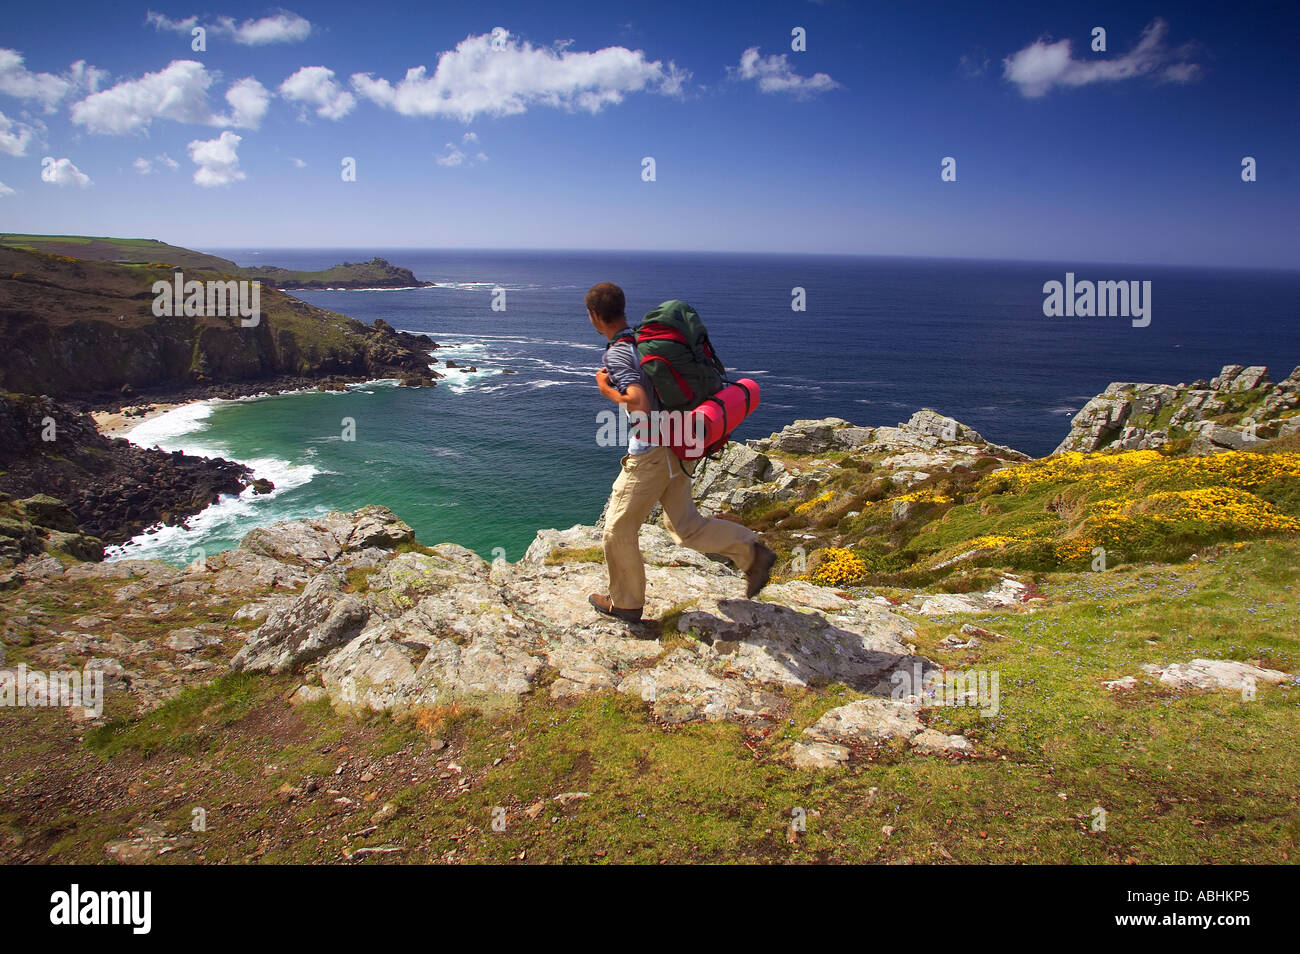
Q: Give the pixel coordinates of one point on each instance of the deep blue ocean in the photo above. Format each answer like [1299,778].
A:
[486,458]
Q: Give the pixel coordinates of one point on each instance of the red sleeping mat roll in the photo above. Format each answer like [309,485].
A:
[715,419]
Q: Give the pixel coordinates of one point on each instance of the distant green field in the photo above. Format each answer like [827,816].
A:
[125,250]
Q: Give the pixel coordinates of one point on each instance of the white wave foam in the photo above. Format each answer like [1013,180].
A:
[231,516]
[168,429]
[331,289]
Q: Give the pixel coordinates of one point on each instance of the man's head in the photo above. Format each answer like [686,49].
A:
[606,307]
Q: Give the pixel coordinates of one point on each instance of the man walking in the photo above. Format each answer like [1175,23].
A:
[652,474]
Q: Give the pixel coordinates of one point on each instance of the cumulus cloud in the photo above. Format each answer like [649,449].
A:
[47,89]
[298,163]
[217,160]
[498,75]
[15,137]
[1041,66]
[5,190]
[774,74]
[453,155]
[248,100]
[315,86]
[62,172]
[178,92]
[281,27]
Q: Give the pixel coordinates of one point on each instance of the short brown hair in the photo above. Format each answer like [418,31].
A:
[606,300]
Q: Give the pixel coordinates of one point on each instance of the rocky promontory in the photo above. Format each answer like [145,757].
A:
[87,330]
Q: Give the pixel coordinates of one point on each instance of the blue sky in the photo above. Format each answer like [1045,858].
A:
[1129,155]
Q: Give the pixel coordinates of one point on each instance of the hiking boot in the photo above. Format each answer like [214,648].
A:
[605,605]
[760,570]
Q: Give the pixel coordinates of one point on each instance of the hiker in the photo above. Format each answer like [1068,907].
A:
[652,474]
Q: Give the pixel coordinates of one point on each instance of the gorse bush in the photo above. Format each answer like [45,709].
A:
[839,567]
[1140,504]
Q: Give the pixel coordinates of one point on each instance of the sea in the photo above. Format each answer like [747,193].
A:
[487,457]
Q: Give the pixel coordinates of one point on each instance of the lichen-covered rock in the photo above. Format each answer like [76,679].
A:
[319,541]
[1131,416]
[319,619]
[869,722]
[1215,674]
[431,628]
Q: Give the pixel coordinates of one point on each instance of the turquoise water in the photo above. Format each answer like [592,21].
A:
[485,459]
[458,464]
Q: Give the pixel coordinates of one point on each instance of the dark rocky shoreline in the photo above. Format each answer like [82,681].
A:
[113,489]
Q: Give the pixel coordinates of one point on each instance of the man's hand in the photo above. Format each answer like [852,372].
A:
[607,389]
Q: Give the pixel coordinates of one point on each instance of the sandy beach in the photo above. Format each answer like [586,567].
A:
[121,423]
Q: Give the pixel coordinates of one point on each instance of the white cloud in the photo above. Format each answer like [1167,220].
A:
[298,163]
[1041,66]
[178,92]
[45,88]
[217,161]
[775,75]
[146,166]
[62,172]
[315,86]
[161,21]
[5,190]
[283,27]
[248,101]
[498,75]
[15,137]
[455,156]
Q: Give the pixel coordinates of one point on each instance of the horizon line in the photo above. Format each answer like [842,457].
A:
[1288,269]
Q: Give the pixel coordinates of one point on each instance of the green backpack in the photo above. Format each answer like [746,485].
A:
[677,356]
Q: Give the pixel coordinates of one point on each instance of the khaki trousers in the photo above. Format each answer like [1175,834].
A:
[657,477]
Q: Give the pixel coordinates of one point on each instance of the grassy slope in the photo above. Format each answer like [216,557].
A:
[152,252]
[1182,776]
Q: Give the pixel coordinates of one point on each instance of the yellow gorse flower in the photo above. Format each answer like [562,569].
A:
[815,502]
[839,567]
[1123,497]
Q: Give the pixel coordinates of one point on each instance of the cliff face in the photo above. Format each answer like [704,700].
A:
[75,327]
[1239,406]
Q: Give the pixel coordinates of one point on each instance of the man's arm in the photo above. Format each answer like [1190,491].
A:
[635,398]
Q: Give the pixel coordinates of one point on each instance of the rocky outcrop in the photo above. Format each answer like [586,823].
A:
[867,724]
[376,273]
[784,466]
[1233,410]
[924,431]
[371,621]
[1210,674]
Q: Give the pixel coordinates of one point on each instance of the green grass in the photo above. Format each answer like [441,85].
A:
[182,724]
[575,555]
